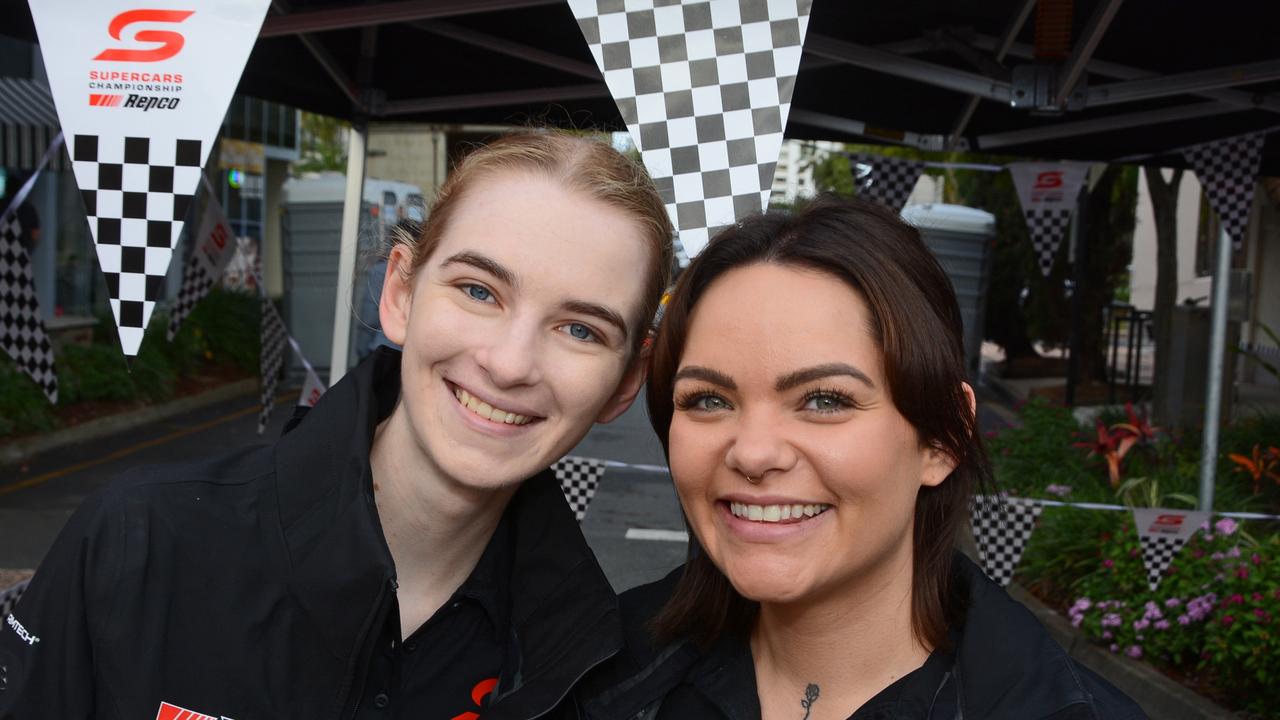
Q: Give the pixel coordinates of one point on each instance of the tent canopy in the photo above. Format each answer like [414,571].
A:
[1143,76]
[1156,75]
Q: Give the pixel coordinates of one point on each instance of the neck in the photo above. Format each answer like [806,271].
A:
[436,528]
[851,643]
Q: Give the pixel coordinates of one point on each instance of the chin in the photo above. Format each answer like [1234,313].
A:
[764,583]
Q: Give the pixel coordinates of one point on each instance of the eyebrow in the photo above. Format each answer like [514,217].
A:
[480,262]
[599,312]
[817,372]
[697,372]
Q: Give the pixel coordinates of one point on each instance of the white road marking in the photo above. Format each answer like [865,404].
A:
[653,534]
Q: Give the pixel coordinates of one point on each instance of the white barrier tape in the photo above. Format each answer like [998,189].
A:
[1047,503]
[25,190]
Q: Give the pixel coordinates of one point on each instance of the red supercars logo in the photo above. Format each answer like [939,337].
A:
[170,42]
[173,712]
[1049,180]
[105,100]
[478,694]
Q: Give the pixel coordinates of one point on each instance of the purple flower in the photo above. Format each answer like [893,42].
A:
[1217,556]
[1184,620]
[1226,526]
[1082,605]
[1134,651]
[1059,490]
[1234,552]
[1256,559]
[1115,648]
[1172,602]
[1106,634]
[1142,624]
[1108,563]
[1111,620]
[1163,624]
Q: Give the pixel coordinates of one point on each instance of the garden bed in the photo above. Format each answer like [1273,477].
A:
[1213,624]
[218,343]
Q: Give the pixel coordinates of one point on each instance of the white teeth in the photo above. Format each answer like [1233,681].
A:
[776,513]
[487,411]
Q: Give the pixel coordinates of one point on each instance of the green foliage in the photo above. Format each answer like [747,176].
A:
[324,144]
[221,332]
[23,406]
[1214,616]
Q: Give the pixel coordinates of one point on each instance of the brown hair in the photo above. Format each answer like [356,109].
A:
[917,325]
[591,167]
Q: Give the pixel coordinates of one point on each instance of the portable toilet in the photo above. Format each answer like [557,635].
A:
[962,239]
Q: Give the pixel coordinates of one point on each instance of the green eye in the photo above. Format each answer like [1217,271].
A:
[710,402]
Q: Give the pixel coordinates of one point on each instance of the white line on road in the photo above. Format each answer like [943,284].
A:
[652,534]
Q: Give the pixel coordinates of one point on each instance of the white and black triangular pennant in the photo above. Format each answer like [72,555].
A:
[890,179]
[1048,194]
[22,331]
[140,129]
[215,245]
[1228,171]
[705,88]
[578,477]
[1002,527]
[1162,533]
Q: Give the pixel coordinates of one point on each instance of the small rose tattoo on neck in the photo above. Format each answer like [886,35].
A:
[810,697]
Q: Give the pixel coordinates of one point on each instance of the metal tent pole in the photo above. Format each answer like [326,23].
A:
[1217,363]
[347,253]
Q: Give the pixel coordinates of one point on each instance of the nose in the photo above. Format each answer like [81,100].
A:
[512,357]
[760,447]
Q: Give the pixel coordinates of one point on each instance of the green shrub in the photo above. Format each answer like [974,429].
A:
[221,331]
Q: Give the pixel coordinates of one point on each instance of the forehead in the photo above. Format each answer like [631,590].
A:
[766,320]
[552,238]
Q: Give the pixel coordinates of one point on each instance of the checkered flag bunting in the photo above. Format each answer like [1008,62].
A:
[890,180]
[196,283]
[1002,527]
[1047,228]
[1228,171]
[135,192]
[705,88]
[1157,553]
[578,478]
[22,333]
[271,361]
[9,598]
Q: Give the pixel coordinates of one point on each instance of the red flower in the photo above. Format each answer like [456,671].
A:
[1227,619]
[1108,563]
[1236,599]
[1242,573]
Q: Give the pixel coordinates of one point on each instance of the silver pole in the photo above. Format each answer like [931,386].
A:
[351,205]
[1217,362]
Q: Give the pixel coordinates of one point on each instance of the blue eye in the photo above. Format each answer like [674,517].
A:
[478,292]
[578,331]
[710,402]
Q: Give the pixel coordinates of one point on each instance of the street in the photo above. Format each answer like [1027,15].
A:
[37,497]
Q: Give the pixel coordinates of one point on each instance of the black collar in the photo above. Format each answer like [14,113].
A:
[560,612]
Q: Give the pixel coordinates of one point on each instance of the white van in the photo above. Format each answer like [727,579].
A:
[390,201]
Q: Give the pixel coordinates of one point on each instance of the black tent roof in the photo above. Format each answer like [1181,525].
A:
[1160,75]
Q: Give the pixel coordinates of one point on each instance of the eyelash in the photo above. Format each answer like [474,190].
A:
[843,401]
[688,400]
[466,289]
[595,336]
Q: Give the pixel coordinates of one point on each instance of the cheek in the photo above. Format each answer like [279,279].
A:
[695,455]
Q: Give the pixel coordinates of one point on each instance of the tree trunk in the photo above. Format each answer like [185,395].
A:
[1108,230]
[1164,203]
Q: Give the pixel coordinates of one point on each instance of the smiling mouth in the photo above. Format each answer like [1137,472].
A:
[489,412]
[776,513]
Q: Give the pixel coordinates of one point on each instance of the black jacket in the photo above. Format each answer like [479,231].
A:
[251,586]
[1004,666]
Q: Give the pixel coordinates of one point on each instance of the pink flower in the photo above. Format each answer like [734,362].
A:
[1261,614]
[1235,599]
[1242,572]
[1227,619]
[1226,526]
[1256,559]
[1134,651]
[1108,563]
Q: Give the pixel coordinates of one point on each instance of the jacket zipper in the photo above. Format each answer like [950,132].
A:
[367,649]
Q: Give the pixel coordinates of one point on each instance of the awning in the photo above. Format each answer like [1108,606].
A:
[28,123]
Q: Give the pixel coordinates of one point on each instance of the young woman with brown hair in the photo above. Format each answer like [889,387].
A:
[807,384]
[404,551]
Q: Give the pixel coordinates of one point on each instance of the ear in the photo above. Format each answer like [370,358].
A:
[628,388]
[938,464]
[397,295]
